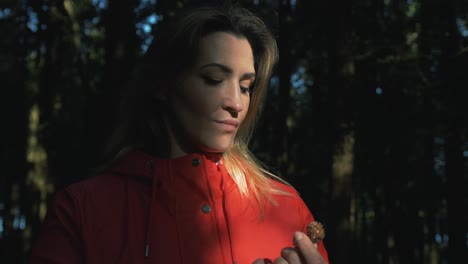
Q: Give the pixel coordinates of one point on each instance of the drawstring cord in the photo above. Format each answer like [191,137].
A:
[226,213]
[149,227]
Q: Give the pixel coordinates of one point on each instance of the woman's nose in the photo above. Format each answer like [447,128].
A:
[233,100]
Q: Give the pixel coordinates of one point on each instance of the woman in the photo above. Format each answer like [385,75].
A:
[183,187]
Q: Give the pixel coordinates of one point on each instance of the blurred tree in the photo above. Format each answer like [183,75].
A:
[121,49]
[14,103]
[454,126]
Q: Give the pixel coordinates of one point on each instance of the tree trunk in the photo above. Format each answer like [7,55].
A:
[120,51]
[284,71]
[455,167]
[341,137]
[14,105]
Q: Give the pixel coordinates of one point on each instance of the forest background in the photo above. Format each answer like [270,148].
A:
[367,114]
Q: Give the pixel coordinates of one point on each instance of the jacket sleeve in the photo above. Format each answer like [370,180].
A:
[307,217]
[60,238]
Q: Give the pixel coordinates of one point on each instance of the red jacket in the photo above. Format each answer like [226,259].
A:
[151,210]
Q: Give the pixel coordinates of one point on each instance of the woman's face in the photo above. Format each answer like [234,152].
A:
[212,98]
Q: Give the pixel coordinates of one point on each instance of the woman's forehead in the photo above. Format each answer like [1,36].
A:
[226,49]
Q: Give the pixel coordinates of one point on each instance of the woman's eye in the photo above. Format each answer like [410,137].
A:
[211,81]
[246,86]
[245,89]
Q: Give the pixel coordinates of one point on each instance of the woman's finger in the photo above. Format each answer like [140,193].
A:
[280,260]
[307,249]
[291,255]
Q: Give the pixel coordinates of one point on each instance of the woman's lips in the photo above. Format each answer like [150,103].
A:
[229,125]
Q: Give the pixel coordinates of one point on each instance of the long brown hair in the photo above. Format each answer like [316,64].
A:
[174,50]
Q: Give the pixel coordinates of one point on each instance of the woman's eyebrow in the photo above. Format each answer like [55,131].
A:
[249,75]
[226,69]
[221,66]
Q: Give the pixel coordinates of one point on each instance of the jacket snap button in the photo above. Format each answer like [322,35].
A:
[196,162]
[206,208]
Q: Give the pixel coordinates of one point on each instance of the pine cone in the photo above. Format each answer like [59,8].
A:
[315,231]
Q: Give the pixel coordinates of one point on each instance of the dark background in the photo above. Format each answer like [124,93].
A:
[367,114]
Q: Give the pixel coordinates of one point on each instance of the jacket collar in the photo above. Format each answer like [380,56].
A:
[136,163]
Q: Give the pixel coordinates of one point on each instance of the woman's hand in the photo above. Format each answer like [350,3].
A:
[305,252]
